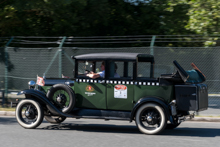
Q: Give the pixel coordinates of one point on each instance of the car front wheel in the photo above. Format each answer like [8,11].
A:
[150,119]
[29,114]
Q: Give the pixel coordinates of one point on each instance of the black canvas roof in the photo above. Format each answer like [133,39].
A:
[116,56]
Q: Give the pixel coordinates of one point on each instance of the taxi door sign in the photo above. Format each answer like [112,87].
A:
[120,91]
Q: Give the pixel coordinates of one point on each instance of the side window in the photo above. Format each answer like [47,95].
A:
[121,69]
[143,69]
[88,67]
[98,67]
[84,67]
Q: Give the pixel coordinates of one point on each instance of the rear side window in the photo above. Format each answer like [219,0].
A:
[144,69]
[121,69]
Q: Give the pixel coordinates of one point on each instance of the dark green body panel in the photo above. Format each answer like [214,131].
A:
[101,96]
[45,88]
[125,104]
[94,98]
[164,92]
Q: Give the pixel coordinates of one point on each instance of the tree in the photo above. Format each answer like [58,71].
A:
[94,18]
[89,18]
[203,15]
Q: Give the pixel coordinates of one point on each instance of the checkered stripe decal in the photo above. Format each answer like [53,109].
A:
[118,82]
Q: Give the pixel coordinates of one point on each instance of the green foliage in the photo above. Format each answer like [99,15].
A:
[204,17]
[90,18]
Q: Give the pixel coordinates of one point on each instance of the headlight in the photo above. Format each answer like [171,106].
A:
[31,84]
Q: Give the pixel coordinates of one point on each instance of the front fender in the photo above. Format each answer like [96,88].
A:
[152,100]
[41,97]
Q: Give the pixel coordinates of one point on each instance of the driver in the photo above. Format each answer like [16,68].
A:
[102,73]
[99,74]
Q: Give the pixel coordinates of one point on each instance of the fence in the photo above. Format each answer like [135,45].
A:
[26,63]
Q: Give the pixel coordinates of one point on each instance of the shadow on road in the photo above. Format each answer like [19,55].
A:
[107,128]
[193,132]
[127,129]
[8,121]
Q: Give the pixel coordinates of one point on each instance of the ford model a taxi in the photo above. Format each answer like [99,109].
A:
[125,89]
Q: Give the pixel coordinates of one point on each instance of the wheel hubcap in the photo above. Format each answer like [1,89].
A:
[27,113]
[149,118]
[30,113]
[61,99]
[152,120]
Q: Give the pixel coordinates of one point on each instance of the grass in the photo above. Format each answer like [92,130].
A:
[7,109]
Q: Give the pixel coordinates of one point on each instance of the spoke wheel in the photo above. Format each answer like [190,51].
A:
[55,119]
[150,119]
[62,96]
[29,114]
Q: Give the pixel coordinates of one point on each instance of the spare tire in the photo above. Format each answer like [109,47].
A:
[62,96]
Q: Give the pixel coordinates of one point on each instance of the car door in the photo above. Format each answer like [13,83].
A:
[120,95]
[120,90]
[90,93]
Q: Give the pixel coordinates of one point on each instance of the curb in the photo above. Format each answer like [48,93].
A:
[206,119]
[7,113]
[203,119]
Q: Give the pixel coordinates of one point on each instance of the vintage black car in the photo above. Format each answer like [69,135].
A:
[154,103]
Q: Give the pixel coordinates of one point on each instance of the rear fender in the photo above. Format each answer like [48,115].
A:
[152,100]
[41,97]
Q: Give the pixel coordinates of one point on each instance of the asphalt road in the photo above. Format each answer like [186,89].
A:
[100,133]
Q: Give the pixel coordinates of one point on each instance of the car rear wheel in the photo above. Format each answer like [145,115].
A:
[150,119]
[29,114]
[55,119]
[62,96]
